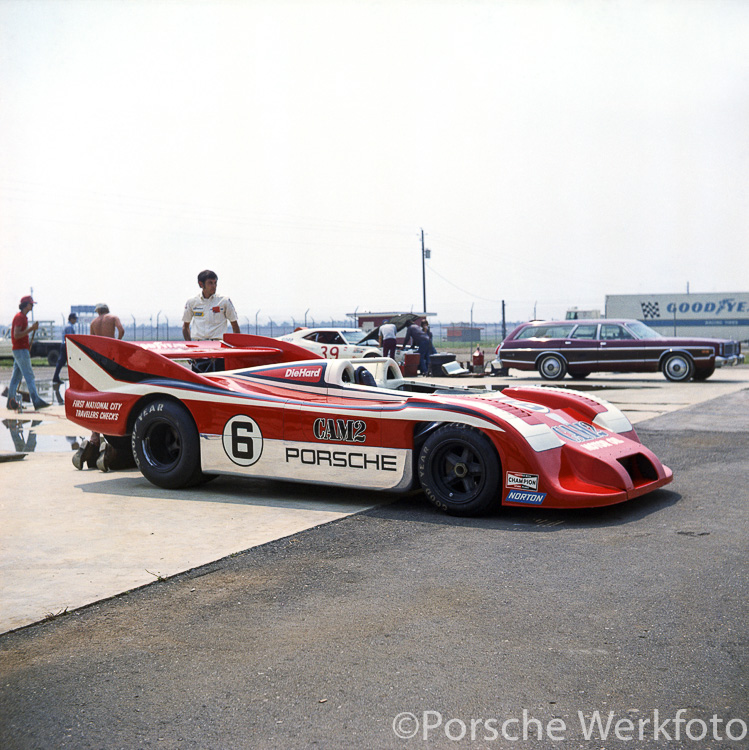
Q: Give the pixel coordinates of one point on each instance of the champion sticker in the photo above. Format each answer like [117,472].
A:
[529,498]
[514,480]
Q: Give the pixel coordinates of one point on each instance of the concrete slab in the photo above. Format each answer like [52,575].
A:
[69,538]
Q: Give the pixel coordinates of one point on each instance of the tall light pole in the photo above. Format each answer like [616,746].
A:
[424,255]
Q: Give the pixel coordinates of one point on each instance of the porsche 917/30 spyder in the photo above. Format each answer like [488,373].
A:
[277,412]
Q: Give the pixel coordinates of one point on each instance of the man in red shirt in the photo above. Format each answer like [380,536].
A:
[20,330]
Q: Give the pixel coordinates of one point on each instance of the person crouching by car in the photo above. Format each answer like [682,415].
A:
[92,452]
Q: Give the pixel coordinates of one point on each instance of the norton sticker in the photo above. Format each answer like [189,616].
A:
[242,440]
[529,498]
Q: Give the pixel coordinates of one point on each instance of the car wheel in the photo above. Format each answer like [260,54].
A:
[678,368]
[460,471]
[166,445]
[52,357]
[371,355]
[704,374]
[552,367]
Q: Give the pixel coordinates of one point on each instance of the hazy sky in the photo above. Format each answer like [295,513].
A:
[553,152]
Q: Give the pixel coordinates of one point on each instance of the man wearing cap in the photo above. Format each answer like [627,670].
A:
[63,356]
[20,330]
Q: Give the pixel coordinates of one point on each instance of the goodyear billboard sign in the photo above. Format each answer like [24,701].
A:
[720,315]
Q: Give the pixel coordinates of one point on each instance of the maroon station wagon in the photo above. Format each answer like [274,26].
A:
[579,347]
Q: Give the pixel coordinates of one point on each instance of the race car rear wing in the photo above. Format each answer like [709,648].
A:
[135,361]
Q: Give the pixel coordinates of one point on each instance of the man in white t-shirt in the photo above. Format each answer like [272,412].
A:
[388,335]
[208,312]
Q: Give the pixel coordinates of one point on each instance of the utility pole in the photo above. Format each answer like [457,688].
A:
[425,253]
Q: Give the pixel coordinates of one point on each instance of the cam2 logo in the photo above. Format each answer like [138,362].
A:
[242,440]
[340,430]
[579,432]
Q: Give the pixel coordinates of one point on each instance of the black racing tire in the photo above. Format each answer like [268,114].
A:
[372,355]
[52,356]
[704,374]
[459,471]
[552,367]
[678,368]
[166,445]
[119,442]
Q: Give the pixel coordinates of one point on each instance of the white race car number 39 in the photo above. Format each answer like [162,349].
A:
[243,441]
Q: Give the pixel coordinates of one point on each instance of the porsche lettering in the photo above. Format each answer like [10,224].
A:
[342,459]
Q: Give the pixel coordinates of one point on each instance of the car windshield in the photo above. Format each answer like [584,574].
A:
[353,337]
[642,331]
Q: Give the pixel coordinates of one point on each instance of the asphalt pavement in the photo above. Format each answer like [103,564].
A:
[401,627]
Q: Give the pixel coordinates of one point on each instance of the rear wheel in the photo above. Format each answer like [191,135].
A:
[678,367]
[460,471]
[166,445]
[552,367]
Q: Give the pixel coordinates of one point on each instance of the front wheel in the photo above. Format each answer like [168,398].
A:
[678,368]
[52,356]
[552,367]
[704,374]
[166,445]
[460,471]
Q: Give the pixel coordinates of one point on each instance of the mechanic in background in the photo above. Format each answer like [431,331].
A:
[62,358]
[388,335]
[106,323]
[419,340]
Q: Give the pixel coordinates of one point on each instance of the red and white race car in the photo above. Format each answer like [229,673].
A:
[277,412]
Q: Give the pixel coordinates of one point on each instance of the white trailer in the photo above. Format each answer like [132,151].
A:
[723,315]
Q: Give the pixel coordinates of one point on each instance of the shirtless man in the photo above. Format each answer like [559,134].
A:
[89,454]
[106,323]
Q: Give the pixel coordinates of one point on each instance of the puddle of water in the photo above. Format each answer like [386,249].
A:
[19,434]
